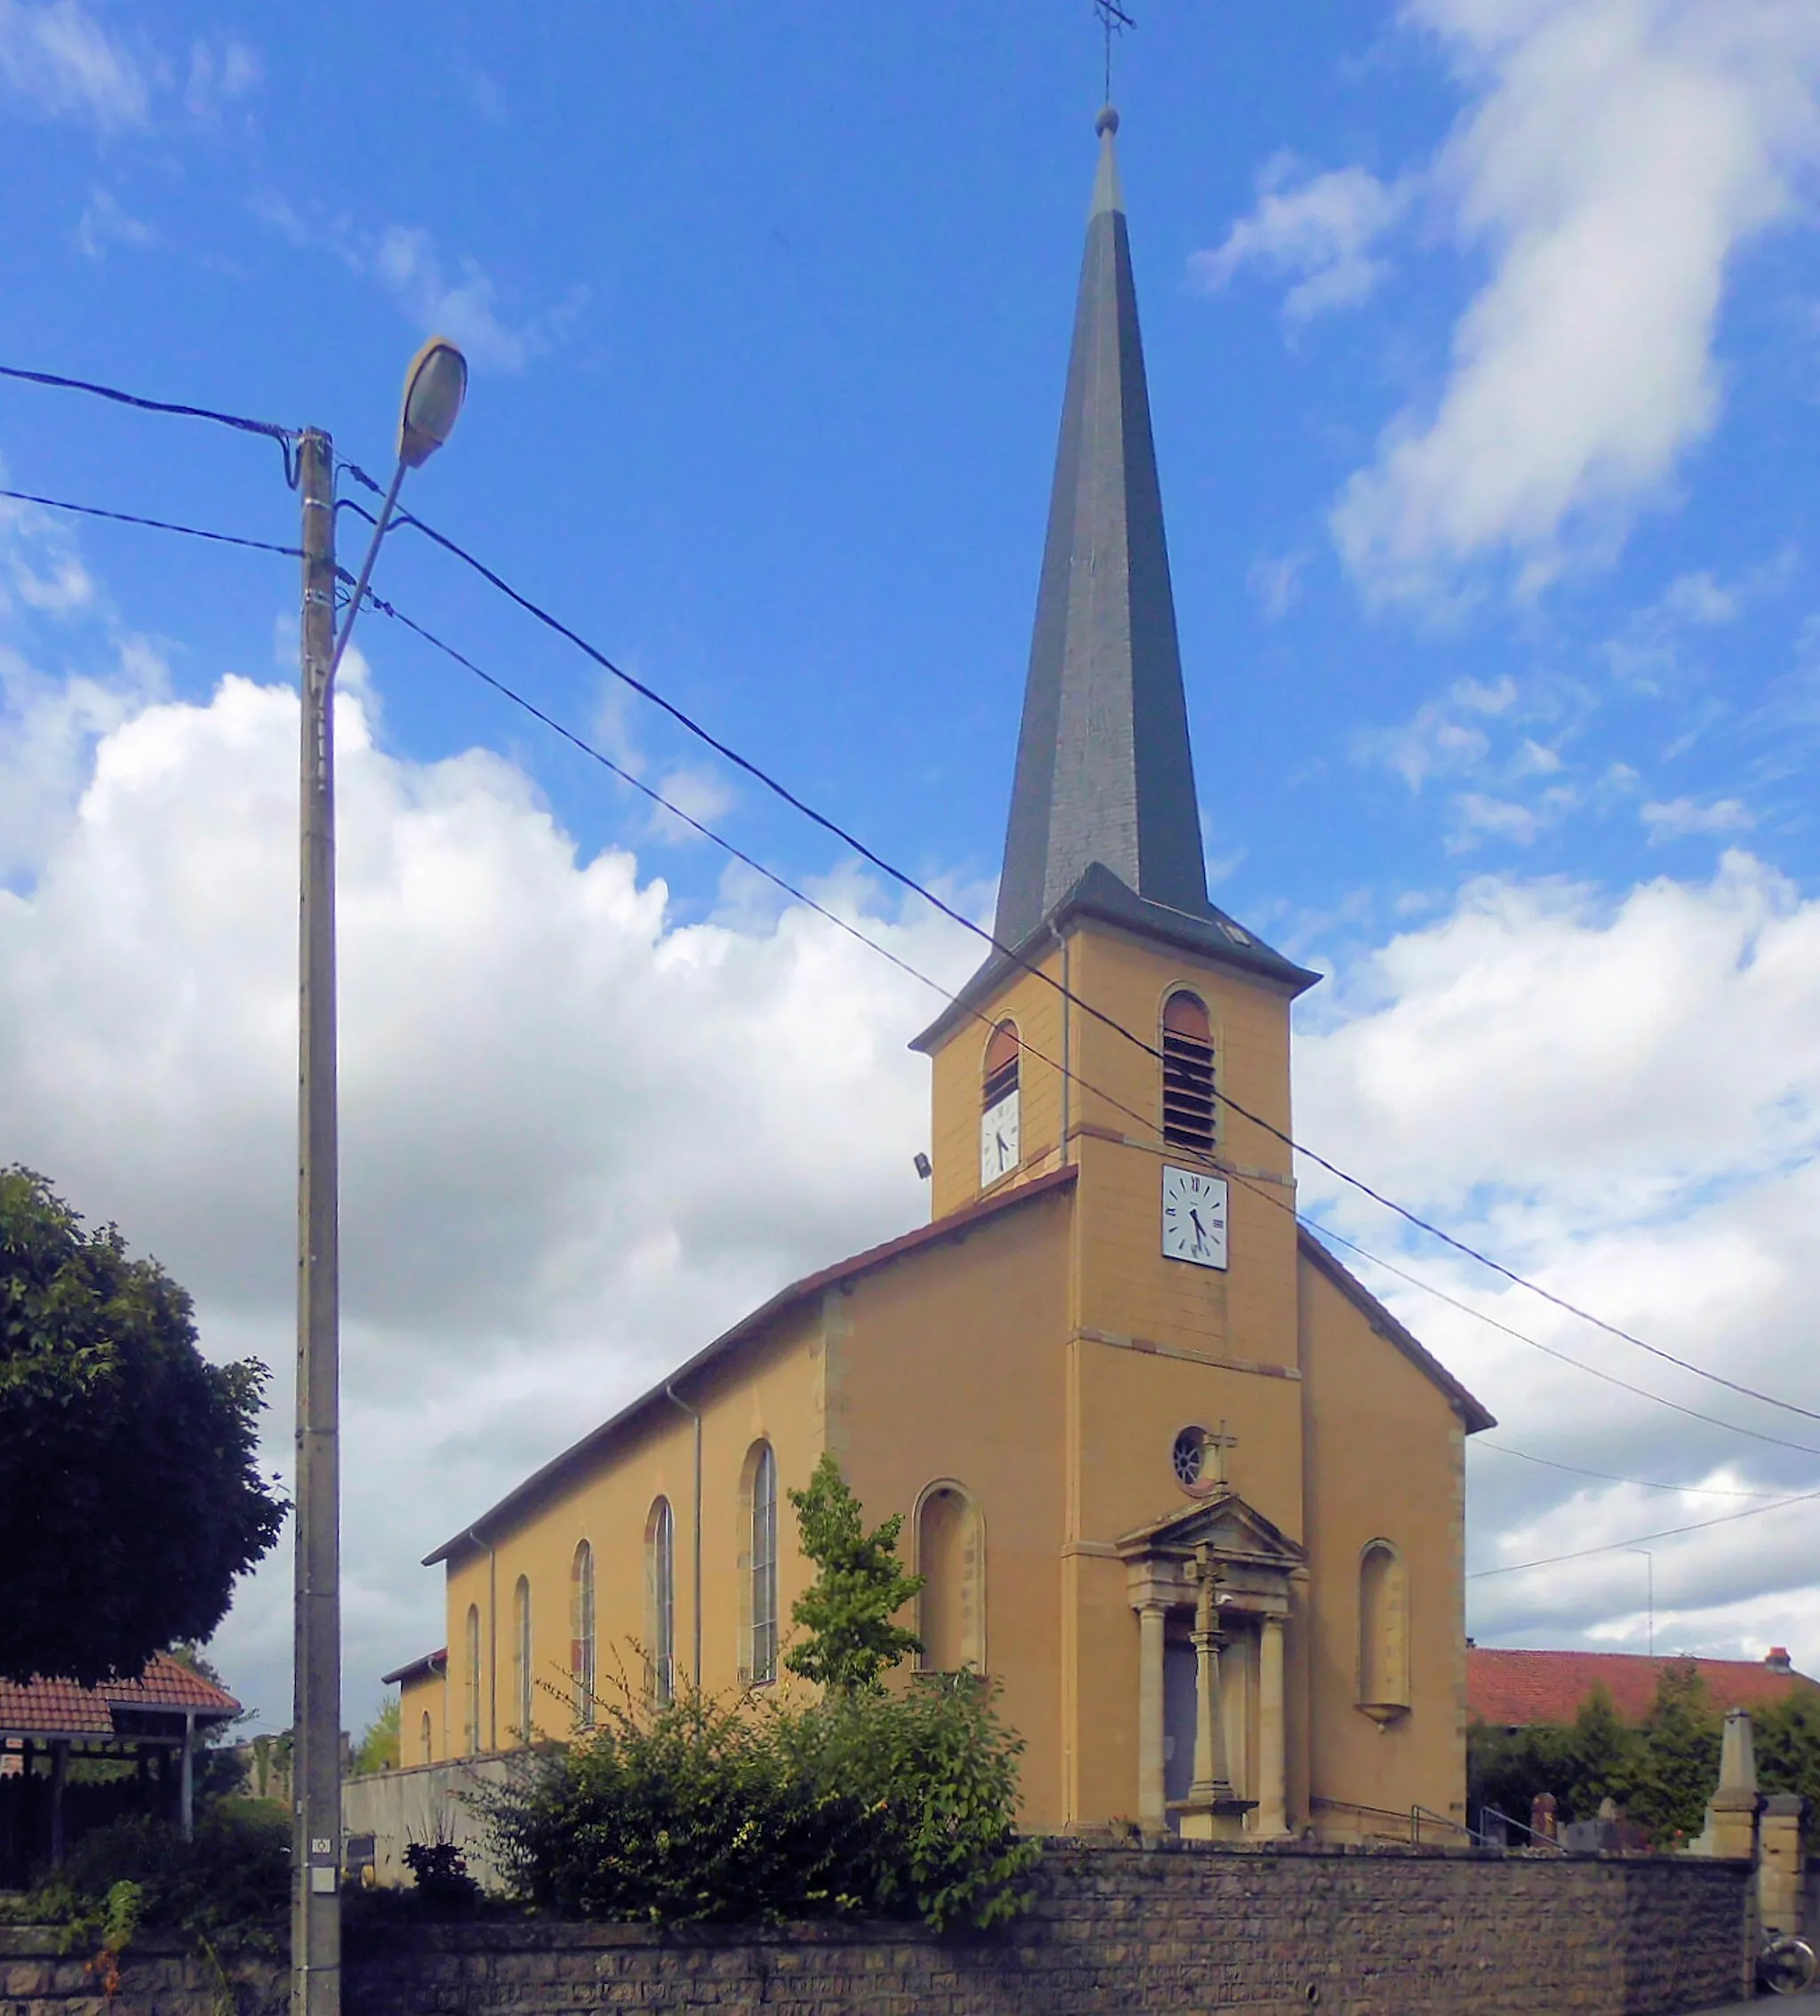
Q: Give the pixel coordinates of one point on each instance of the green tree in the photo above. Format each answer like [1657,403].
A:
[1682,1733]
[378,1749]
[1787,1741]
[1604,1758]
[131,1499]
[859,1587]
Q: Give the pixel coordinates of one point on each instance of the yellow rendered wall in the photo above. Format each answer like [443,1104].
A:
[1386,1459]
[957,1078]
[777,1393]
[950,1364]
[424,1695]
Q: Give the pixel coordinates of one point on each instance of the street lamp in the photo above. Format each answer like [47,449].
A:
[433,387]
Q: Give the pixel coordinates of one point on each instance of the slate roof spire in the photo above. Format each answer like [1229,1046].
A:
[1104,769]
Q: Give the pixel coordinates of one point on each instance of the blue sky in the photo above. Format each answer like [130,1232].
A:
[1483,339]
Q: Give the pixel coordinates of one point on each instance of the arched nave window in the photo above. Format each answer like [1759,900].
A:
[760,1495]
[523,1670]
[1187,1073]
[951,1558]
[426,1739]
[1383,1629]
[472,1718]
[581,1632]
[660,1602]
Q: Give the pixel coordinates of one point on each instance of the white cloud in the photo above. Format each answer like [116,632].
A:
[463,307]
[1616,155]
[578,1139]
[104,223]
[61,60]
[1679,816]
[1323,229]
[1277,583]
[218,76]
[1623,1099]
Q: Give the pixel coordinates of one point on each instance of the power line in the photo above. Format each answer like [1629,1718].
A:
[1605,1476]
[1549,1350]
[909,882]
[284,437]
[1640,1540]
[871,944]
[1143,1120]
[154,524]
[241,423]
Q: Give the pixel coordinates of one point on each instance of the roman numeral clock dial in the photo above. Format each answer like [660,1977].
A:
[1193,1216]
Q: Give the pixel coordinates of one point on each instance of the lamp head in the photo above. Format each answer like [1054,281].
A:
[434,385]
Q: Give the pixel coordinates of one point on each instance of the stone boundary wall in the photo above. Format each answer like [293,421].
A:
[1176,1931]
[424,1802]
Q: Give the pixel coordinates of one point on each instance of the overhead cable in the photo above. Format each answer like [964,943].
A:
[154,524]
[909,882]
[1640,1540]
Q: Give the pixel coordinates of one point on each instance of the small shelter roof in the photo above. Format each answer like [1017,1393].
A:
[47,1708]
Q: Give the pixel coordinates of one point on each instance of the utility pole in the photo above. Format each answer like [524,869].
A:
[315,1908]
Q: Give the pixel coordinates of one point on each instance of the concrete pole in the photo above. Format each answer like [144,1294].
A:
[1152,1813]
[315,1914]
[186,1778]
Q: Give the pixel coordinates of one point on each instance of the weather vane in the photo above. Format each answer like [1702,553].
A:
[1114,20]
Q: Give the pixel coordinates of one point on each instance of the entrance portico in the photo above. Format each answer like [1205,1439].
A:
[1215,1577]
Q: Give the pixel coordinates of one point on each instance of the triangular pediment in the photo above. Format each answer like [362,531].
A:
[1234,1530]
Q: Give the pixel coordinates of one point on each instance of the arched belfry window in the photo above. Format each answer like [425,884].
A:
[1187,1073]
[1000,1069]
[523,1670]
[951,1559]
[759,1658]
[581,1632]
[660,1602]
[1384,1631]
[473,1732]
[999,1150]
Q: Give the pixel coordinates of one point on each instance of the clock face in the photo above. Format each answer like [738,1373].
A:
[1194,1217]
[998,1139]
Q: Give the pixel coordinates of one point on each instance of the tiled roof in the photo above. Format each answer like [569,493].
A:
[62,1707]
[1512,1689]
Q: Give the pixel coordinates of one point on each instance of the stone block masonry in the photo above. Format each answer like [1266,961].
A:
[1115,1931]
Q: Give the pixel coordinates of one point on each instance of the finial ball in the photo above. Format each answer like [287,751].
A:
[1107,121]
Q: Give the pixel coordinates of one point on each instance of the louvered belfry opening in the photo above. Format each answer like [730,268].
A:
[1001,1066]
[1187,1074]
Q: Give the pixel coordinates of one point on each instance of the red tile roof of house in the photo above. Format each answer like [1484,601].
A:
[1512,1689]
[63,1707]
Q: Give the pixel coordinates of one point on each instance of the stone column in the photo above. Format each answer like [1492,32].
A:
[1211,1811]
[1731,1812]
[1273,1815]
[1152,1813]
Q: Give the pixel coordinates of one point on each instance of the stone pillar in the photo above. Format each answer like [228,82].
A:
[1731,1812]
[1211,1811]
[1153,1814]
[1273,1816]
[1779,1864]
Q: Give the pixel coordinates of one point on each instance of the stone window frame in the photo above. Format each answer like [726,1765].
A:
[523,1670]
[975,1632]
[759,1636]
[1384,1695]
[582,1630]
[660,1601]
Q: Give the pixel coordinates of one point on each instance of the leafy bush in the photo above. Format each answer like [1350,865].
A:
[439,1870]
[703,1812]
[230,1884]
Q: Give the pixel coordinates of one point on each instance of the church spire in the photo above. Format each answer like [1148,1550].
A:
[1104,769]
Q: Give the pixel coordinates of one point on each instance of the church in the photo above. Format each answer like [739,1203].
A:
[1178,1485]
